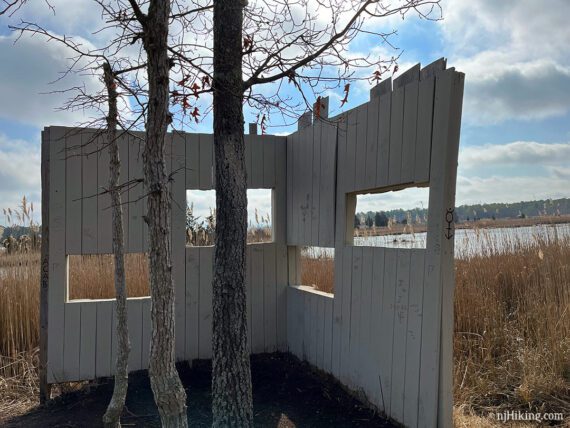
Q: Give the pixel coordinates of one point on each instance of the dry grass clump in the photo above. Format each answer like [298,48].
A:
[512,327]
[92,277]
[512,322]
[317,269]
[19,303]
[19,331]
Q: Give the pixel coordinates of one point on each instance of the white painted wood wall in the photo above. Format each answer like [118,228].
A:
[81,339]
[385,333]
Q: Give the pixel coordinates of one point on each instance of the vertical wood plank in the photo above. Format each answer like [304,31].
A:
[123,143]
[361,132]
[192,161]
[344,368]
[315,212]
[72,341]
[410,129]
[320,325]
[400,334]
[351,137]
[205,340]
[295,214]
[306,142]
[281,296]
[384,120]
[134,322]
[192,302]
[290,201]
[328,332]
[206,161]
[439,252]
[307,326]
[376,326]
[44,386]
[396,124]
[327,183]
[295,321]
[104,334]
[88,340]
[57,290]
[146,333]
[249,294]
[114,341]
[413,339]
[73,192]
[445,398]
[257,272]
[365,364]
[371,143]
[337,321]
[387,332]
[313,338]
[425,118]
[135,229]
[356,307]
[178,240]
[280,194]
[248,161]
[269,164]
[424,129]
[89,193]
[105,211]
[256,161]
[269,298]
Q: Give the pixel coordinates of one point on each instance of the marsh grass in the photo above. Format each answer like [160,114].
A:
[92,277]
[512,322]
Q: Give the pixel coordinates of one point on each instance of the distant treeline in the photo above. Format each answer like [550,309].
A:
[16,231]
[463,213]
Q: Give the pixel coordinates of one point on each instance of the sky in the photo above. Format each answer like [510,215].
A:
[515,134]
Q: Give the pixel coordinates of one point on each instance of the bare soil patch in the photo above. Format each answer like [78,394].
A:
[287,393]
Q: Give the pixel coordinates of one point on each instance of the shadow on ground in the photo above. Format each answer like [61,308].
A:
[286,393]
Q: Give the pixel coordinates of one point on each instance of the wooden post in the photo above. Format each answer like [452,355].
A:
[253,129]
[322,111]
[45,387]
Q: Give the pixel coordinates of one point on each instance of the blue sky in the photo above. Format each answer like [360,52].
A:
[515,137]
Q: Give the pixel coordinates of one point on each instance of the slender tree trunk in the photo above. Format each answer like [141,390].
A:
[112,417]
[168,391]
[231,377]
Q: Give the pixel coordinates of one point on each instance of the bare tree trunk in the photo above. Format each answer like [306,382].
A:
[231,377]
[168,391]
[112,417]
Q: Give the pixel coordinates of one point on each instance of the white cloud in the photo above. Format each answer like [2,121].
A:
[412,197]
[473,190]
[19,173]
[515,153]
[27,69]
[510,179]
[515,54]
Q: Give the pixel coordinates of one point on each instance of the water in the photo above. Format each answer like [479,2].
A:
[468,242]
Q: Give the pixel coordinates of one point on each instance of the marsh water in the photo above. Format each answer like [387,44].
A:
[470,242]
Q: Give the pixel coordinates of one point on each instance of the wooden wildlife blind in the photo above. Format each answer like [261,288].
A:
[386,332]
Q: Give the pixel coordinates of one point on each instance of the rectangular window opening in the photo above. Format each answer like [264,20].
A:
[393,219]
[317,268]
[93,276]
[201,217]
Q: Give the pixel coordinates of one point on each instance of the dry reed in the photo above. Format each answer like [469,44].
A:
[512,323]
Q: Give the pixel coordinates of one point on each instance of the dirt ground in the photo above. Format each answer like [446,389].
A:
[286,393]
